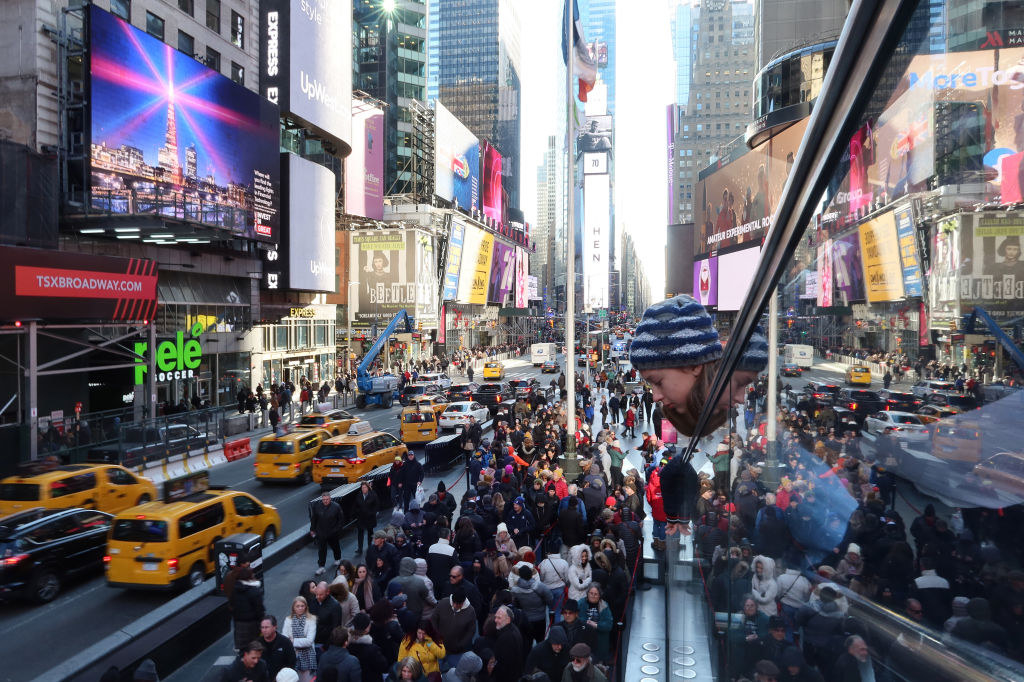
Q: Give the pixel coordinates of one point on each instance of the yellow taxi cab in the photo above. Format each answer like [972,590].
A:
[170,543]
[344,459]
[335,421]
[438,402]
[494,370]
[289,457]
[1004,471]
[106,487]
[857,375]
[957,442]
[418,424]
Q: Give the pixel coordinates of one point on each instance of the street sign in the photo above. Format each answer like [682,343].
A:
[602,313]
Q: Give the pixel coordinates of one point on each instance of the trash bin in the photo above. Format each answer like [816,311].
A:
[235,550]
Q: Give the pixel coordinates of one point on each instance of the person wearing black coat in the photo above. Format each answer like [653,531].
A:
[367,506]
[570,524]
[656,418]
[508,647]
[247,667]
[328,615]
[278,651]
[549,656]
[446,501]
[412,476]
[326,522]
[339,658]
[372,662]
[245,601]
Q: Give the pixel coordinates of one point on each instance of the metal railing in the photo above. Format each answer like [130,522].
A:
[161,439]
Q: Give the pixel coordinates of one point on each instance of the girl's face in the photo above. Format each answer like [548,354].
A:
[734,392]
[584,557]
[406,673]
[361,572]
[672,386]
[299,607]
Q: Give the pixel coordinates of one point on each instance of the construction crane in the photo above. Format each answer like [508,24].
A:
[379,390]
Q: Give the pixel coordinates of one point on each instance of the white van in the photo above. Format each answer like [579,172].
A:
[542,352]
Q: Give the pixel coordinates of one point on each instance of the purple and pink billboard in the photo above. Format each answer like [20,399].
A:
[503,271]
[491,182]
[705,281]
[364,167]
[848,270]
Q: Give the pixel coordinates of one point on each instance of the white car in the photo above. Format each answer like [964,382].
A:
[457,414]
[439,378]
[905,425]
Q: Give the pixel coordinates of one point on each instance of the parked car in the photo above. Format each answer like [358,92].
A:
[40,549]
[998,390]
[860,401]
[952,399]
[924,388]
[791,370]
[907,426]
[457,414]
[414,390]
[902,401]
[493,395]
[459,392]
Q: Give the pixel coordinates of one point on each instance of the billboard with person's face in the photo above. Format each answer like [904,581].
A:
[456,160]
[384,264]
[427,303]
[503,272]
[847,269]
[491,182]
[175,139]
[992,265]
[705,281]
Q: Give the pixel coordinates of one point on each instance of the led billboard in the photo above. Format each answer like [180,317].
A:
[522,267]
[364,167]
[735,273]
[452,267]
[456,160]
[596,229]
[306,66]
[705,281]
[173,138]
[595,135]
[309,225]
[883,271]
[503,272]
[491,182]
[823,292]
[734,201]
[847,270]
[475,270]
[426,279]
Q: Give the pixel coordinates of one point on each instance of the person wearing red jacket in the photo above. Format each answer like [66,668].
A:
[657,503]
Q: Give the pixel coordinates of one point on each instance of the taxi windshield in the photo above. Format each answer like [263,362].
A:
[335,451]
[139,530]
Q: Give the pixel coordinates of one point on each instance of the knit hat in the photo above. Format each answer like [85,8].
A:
[556,635]
[960,606]
[287,675]
[853,548]
[502,528]
[755,355]
[469,664]
[675,333]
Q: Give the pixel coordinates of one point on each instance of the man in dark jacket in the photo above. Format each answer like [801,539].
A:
[550,656]
[454,619]
[412,476]
[570,524]
[372,662]
[278,651]
[247,667]
[575,629]
[414,587]
[855,663]
[366,514]
[508,647]
[328,614]
[339,658]
[380,547]
[472,435]
[326,521]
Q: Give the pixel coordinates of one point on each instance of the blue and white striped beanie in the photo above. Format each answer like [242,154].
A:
[675,333]
[755,355]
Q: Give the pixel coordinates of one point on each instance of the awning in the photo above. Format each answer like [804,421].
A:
[195,288]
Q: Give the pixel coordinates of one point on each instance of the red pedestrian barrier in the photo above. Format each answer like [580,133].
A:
[237,449]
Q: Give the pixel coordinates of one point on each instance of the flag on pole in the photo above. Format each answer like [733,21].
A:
[583,63]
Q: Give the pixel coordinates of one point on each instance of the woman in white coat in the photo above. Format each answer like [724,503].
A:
[300,627]
[763,585]
[579,572]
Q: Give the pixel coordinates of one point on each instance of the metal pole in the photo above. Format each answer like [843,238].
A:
[151,374]
[771,477]
[569,464]
[33,394]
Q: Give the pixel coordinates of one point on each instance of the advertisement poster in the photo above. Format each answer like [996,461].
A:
[61,285]
[309,228]
[992,274]
[467,269]
[522,264]
[944,276]
[303,67]
[907,235]
[824,291]
[847,270]
[810,285]
[532,287]
[595,135]
[734,202]
[482,271]
[173,138]
[426,278]
[451,268]
[596,229]
[491,182]
[364,167]
[383,262]
[735,273]
[503,272]
[883,272]
[456,160]
[705,281]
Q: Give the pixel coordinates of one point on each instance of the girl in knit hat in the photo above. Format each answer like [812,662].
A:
[677,350]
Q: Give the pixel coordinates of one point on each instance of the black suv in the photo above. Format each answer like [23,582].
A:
[861,402]
[411,390]
[901,401]
[494,395]
[524,388]
[460,392]
[41,548]
[814,396]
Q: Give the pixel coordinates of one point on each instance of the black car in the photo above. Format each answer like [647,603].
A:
[901,401]
[41,548]
[524,387]
[957,401]
[860,401]
[791,370]
[847,421]
[494,395]
[813,396]
[549,367]
[460,392]
[411,390]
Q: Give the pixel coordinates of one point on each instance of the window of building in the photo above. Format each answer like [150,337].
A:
[186,43]
[154,26]
[212,58]
[213,15]
[121,8]
[237,30]
[187,6]
[237,73]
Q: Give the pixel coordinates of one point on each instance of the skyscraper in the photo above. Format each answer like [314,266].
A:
[598,17]
[478,75]
[549,190]
[432,36]
[390,64]
[684,39]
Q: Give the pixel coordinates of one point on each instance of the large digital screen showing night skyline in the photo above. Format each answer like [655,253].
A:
[175,139]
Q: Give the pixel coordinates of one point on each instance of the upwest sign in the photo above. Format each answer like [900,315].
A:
[177,359]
